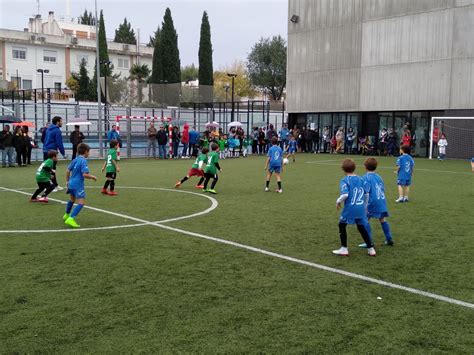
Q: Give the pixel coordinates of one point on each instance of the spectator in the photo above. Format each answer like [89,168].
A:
[162,139]
[302,140]
[436,137]
[43,132]
[54,141]
[350,137]
[76,137]
[240,134]
[175,139]
[339,140]
[30,144]
[326,139]
[406,138]
[391,142]
[270,134]
[315,139]
[151,135]
[19,142]
[193,142]
[309,140]
[185,140]
[383,142]
[261,141]
[255,140]
[6,143]
[284,135]
[113,134]
[333,144]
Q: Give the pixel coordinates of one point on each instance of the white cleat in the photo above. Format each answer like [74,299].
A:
[59,188]
[267,189]
[280,191]
[342,251]
[400,199]
[371,252]
[405,199]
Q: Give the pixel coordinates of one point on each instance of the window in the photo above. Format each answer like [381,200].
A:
[123,63]
[49,56]
[27,84]
[19,53]
[82,57]
[57,87]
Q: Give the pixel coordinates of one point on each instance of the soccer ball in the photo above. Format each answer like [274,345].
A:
[285,161]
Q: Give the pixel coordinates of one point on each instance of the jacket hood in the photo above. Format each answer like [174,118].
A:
[53,127]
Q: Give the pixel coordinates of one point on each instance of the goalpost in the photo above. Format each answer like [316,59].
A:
[459,132]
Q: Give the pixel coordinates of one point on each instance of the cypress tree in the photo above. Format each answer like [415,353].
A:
[103,57]
[125,33]
[169,50]
[157,67]
[206,71]
[84,91]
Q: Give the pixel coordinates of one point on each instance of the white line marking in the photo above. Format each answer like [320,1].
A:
[284,257]
[25,231]
[394,167]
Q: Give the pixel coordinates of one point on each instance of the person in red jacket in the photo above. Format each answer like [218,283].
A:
[185,140]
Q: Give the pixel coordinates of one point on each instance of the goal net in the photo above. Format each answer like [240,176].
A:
[459,134]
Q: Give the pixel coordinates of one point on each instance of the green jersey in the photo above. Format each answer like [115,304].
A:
[111,156]
[199,159]
[43,174]
[222,144]
[212,160]
[205,143]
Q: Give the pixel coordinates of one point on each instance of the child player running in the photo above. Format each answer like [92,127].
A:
[353,195]
[274,164]
[377,205]
[43,178]
[291,148]
[111,168]
[76,172]
[405,164]
[196,170]
[211,169]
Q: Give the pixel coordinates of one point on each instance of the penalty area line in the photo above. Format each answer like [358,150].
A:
[281,257]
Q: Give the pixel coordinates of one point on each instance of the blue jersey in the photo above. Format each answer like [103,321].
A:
[275,153]
[78,168]
[376,190]
[354,205]
[406,164]
[292,146]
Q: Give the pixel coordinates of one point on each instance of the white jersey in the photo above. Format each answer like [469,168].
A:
[442,144]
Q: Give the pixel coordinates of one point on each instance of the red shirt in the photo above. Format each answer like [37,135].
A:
[406,140]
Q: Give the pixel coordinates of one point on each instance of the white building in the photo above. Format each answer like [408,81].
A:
[59,46]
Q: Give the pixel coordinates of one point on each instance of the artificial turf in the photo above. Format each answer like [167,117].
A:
[147,289]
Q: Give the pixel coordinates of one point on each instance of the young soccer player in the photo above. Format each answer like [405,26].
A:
[291,148]
[43,178]
[222,145]
[196,170]
[442,144]
[211,169]
[76,172]
[111,168]
[274,164]
[405,164]
[353,195]
[377,204]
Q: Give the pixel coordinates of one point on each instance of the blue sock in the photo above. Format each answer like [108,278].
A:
[386,230]
[76,211]
[69,205]
[369,230]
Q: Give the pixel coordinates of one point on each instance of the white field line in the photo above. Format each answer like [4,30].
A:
[394,167]
[284,257]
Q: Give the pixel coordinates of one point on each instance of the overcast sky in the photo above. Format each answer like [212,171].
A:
[235,25]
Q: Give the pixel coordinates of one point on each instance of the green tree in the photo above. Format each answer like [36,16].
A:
[125,33]
[104,69]
[157,67]
[139,73]
[267,66]
[151,42]
[86,19]
[83,92]
[189,73]
[242,85]
[171,63]
[206,70]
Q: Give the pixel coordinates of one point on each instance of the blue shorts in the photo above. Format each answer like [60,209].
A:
[403,182]
[275,169]
[291,151]
[377,214]
[77,192]
[351,220]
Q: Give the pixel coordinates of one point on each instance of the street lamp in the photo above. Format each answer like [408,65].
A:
[42,71]
[107,64]
[233,76]
[226,88]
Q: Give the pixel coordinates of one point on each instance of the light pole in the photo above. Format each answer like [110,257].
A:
[230,75]
[42,71]
[107,64]
[163,82]
[226,87]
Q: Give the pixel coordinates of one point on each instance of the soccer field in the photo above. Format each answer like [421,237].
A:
[151,269]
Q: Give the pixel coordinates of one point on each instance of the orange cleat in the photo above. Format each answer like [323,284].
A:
[199,186]
[104,191]
[178,184]
[112,193]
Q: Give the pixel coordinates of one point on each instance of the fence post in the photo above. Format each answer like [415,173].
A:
[129,132]
[16,109]
[48,103]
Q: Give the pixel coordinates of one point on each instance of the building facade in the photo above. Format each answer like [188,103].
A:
[373,64]
[59,46]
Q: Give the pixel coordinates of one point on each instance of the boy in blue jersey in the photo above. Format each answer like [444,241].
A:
[291,148]
[472,164]
[274,164]
[353,195]
[76,172]
[405,164]
[377,204]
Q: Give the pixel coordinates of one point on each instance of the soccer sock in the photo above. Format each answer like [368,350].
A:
[112,185]
[69,205]
[214,182]
[206,181]
[184,179]
[279,185]
[386,230]
[76,211]
[268,183]
[48,190]
[106,185]
[369,230]
[53,180]
[343,234]
[365,235]
[37,192]
[201,180]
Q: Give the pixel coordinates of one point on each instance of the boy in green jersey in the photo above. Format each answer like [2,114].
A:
[211,169]
[222,145]
[196,170]
[43,178]
[111,168]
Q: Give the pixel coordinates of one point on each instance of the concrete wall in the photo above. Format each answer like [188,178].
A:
[375,55]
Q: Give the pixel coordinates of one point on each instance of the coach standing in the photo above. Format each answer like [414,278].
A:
[54,141]
[76,138]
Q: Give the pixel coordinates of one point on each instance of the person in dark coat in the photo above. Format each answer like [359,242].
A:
[19,141]
[76,137]
[162,139]
[8,149]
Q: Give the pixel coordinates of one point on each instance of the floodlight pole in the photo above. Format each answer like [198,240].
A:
[42,71]
[233,91]
[99,111]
